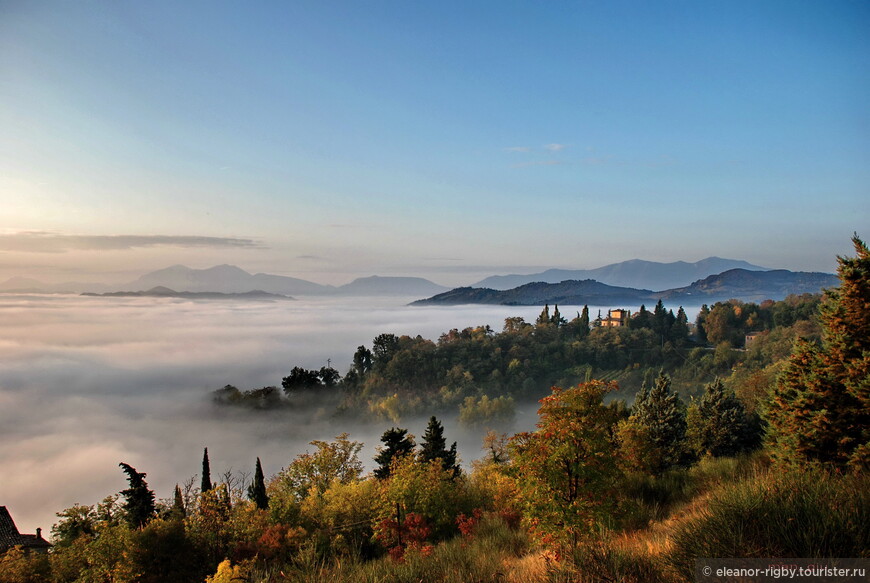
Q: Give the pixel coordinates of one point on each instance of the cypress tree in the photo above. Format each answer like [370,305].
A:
[178,510]
[206,473]
[139,500]
[397,443]
[544,318]
[257,489]
[434,447]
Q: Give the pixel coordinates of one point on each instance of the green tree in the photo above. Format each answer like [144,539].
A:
[434,447]
[178,510]
[206,484]
[139,500]
[819,410]
[655,432]
[397,444]
[718,424]
[557,319]
[544,317]
[257,489]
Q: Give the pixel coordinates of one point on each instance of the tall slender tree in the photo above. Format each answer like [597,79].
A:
[206,473]
[178,511]
[257,489]
[139,505]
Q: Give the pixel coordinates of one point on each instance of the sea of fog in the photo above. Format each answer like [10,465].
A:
[88,382]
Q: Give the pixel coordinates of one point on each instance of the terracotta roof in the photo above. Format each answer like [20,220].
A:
[10,537]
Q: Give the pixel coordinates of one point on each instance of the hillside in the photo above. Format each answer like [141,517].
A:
[741,284]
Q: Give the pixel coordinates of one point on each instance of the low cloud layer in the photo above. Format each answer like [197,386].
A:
[86,383]
[47,242]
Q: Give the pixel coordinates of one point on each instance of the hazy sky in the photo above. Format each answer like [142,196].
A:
[451,140]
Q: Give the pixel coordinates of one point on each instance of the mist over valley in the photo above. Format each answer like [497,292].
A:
[87,382]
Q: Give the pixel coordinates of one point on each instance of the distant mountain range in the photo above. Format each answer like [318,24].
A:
[229,279]
[635,273]
[742,284]
[626,282]
[165,292]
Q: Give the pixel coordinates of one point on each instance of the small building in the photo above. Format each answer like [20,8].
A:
[750,338]
[616,318]
[10,537]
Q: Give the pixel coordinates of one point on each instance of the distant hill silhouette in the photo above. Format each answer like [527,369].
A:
[387,286]
[742,284]
[635,273]
[165,292]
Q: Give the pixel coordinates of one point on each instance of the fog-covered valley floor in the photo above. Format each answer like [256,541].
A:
[86,383]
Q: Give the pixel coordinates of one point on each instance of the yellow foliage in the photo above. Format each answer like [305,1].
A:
[227,573]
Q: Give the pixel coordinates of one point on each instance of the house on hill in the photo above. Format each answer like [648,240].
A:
[10,537]
[615,319]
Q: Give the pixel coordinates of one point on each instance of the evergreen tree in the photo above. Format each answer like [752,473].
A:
[206,473]
[700,324]
[719,424]
[661,416]
[680,329]
[544,317]
[557,319]
[584,318]
[434,446]
[819,410]
[397,443]
[178,511]
[139,505]
[257,489]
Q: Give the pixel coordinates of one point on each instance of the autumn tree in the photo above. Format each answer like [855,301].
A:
[139,505]
[313,472]
[566,471]
[819,411]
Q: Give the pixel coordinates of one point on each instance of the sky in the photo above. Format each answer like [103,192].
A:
[448,140]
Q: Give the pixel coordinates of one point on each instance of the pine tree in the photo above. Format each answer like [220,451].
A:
[434,447]
[257,489]
[139,505]
[206,473]
[662,417]
[719,424]
[397,443]
[819,410]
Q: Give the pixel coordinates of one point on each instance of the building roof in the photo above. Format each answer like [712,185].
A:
[10,537]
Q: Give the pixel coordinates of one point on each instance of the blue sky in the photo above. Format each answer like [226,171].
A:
[450,140]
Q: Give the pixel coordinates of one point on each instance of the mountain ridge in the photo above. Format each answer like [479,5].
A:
[741,284]
[634,273]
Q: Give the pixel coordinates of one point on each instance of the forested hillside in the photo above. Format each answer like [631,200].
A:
[726,450]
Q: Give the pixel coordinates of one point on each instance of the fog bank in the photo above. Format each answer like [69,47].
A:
[86,383]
